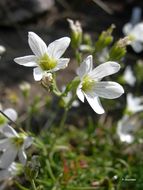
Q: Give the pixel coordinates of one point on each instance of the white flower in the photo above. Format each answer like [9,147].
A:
[134,104]
[135,32]
[10,172]
[10,112]
[45,59]
[91,87]
[127,126]
[129,76]
[13,145]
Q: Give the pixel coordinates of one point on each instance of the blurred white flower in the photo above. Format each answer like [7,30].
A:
[2,49]
[13,170]
[25,86]
[103,56]
[91,87]
[13,145]
[124,129]
[135,32]
[129,76]
[134,104]
[45,59]
[127,127]
[130,122]
[10,112]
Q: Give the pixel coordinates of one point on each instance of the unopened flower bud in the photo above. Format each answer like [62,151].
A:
[124,41]
[118,50]
[47,80]
[76,32]
[87,39]
[105,39]
[25,88]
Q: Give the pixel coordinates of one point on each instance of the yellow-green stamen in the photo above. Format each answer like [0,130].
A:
[46,63]
[87,83]
[18,141]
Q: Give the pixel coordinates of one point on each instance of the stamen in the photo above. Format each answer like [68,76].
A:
[47,63]
[87,83]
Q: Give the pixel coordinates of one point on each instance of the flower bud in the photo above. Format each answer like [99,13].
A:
[118,50]
[105,39]
[76,33]
[47,80]
[25,88]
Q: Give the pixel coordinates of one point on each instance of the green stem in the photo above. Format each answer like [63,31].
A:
[63,120]
[66,110]
[50,171]
[83,188]
[78,56]
[20,186]
[33,184]
[56,90]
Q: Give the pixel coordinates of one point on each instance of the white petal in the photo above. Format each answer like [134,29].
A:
[127,28]
[134,104]
[27,61]
[125,128]
[109,90]
[37,45]
[138,32]
[22,157]
[95,103]
[37,73]
[8,131]
[4,144]
[27,142]
[58,47]
[85,67]
[80,94]
[104,70]
[137,46]
[4,175]
[62,64]
[129,76]
[11,113]
[3,186]
[8,157]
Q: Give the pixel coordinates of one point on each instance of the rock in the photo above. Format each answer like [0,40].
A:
[13,11]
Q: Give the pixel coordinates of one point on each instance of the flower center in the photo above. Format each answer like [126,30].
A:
[3,119]
[87,83]
[18,141]
[132,37]
[47,63]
